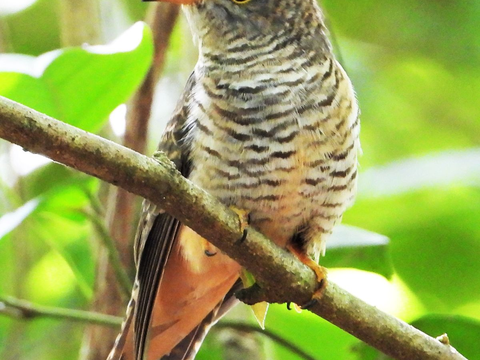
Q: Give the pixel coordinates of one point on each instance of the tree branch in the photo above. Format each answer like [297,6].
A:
[26,310]
[161,18]
[279,275]
[120,273]
[16,308]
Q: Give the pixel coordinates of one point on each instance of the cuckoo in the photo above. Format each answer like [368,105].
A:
[268,123]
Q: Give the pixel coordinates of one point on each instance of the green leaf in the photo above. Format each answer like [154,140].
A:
[39,181]
[70,244]
[434,242]
[412,27]
[80,85]
[366,352]
[352,247]
[62,234]
[445,168]
[33,30]
[135,9]
[210,350]
[312,334]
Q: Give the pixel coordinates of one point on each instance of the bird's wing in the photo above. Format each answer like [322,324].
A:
[173,144]
[157,230]
[189,346]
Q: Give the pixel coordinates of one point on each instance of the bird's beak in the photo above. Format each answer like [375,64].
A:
[179,2]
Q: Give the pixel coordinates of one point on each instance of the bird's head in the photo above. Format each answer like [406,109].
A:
[219,23]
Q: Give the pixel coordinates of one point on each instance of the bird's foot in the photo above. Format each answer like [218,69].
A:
[316,297]
[244,219]
[320,273]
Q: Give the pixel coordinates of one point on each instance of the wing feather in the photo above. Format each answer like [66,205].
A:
[157,230]
[189,346]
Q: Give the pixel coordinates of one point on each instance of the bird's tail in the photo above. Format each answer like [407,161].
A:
[125,335]
[189,346]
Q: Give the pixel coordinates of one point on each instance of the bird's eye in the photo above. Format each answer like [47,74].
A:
[241,2]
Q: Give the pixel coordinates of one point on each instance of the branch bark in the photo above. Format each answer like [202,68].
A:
[280,276]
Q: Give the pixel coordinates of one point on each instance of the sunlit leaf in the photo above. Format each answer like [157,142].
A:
[439,169]
[313,335]
[70,243]
[50,279]
[434,241]
[33,30]
[353,247]
[81,86]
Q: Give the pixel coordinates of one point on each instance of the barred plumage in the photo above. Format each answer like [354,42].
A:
[274,127]
[269,124]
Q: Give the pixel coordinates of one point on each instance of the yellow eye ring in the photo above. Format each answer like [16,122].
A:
[241,2]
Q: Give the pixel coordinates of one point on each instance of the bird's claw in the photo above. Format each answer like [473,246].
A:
[320,273]
[244,219]
[208,249]
[210,253]
[244,236]
[317,295]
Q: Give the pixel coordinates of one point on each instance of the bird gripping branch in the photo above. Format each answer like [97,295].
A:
[268,123]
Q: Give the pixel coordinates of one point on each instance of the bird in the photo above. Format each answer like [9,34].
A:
[269,124]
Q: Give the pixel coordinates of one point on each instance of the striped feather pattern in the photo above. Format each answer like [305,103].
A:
[273,126]
[269,123]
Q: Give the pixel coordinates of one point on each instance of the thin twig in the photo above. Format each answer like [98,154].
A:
[122,277]
[95,203]
[161,18]
[280,276]
[271,335]
[17,308]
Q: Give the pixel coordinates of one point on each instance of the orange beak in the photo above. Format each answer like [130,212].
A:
[179,2]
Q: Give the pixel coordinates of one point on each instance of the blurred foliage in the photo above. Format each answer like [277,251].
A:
[416,69]
[98,72]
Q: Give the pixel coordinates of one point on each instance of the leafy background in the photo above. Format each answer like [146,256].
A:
[416,69]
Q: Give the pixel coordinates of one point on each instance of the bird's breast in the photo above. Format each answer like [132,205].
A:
[285,153]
